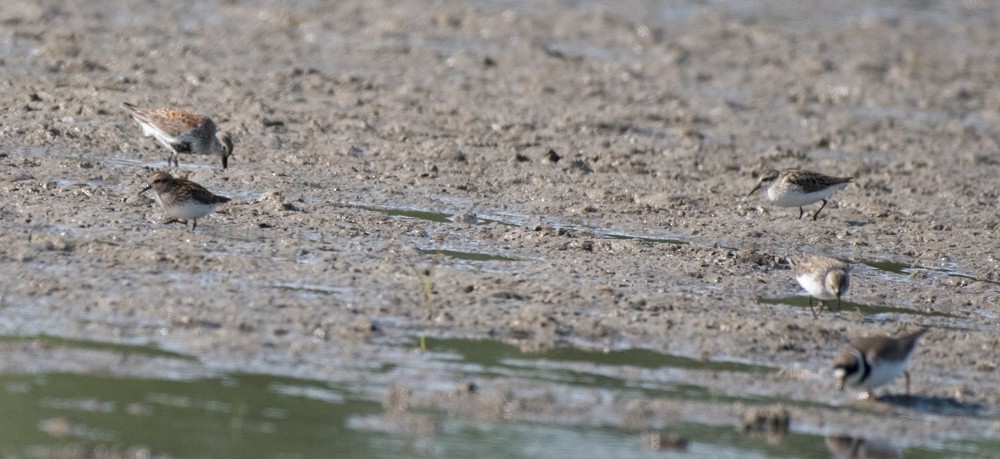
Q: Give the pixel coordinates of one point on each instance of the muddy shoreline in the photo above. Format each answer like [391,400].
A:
[535,174]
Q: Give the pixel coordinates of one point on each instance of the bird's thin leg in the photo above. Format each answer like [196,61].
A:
[817,210]
[194,223]
[800,213]
[838,304]
[906,374]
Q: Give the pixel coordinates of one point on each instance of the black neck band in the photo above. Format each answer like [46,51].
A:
[866,369]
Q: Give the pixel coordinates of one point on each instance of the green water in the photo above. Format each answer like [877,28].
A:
[498,359]
[652,240]
[263,416]
[437,217]
[905,269]
[890,266]
[468,256]
[237,416]
[126,349]
[494,353]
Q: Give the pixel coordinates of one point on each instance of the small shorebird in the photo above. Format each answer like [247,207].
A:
[797,188]
[824,278]
[183,132]
[181,199]
[875,361]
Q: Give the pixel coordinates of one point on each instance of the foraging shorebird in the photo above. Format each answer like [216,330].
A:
[797,188]
[183,132]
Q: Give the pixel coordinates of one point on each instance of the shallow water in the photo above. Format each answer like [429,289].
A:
[492,353]
[233,416]
[245,415]
[468,256]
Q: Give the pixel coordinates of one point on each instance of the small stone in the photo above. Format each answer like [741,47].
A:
[658,441]
[772,422]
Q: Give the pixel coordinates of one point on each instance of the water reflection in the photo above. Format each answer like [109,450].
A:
[233,416]
[845,447]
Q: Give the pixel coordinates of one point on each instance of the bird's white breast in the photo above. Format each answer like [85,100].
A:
[189,210]
[814,286]
[884,372]
[793,196]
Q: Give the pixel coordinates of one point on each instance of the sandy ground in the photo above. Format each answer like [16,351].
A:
[557,127]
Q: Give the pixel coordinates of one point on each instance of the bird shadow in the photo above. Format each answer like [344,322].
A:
[946,406]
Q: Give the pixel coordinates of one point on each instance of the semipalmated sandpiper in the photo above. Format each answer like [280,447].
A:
[797,188]
[183,132]
[824,278]
[182,199]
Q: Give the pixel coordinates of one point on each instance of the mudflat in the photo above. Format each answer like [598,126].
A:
[541,174]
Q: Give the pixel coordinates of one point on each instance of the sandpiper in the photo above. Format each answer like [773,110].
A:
[874,361]
[181,199]
[797,188]
[183,132]
[824,278]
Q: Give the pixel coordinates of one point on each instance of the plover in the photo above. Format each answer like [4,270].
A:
[874,361]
